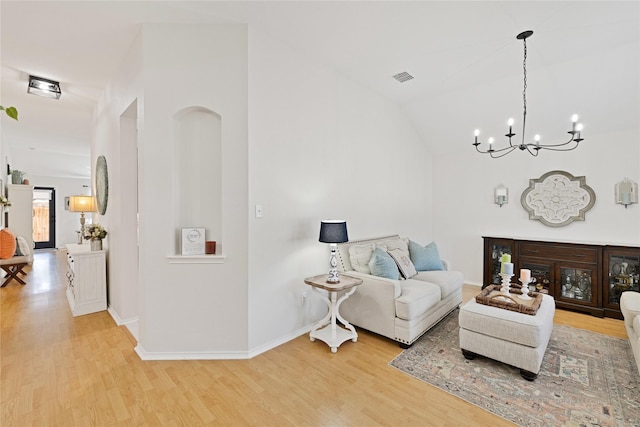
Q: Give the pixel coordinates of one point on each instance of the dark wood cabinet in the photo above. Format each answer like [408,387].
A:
[581,277]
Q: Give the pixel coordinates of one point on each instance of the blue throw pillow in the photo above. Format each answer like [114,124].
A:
[382,265]
[425,258]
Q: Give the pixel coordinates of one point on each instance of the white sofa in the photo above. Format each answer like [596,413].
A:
[399,309]
[630,308]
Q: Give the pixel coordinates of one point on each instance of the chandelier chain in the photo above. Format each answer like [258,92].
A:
[524,68]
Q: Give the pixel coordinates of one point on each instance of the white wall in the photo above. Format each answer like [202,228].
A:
[199,309]
[120,218]
[183,310]
[462,220]
[320,147]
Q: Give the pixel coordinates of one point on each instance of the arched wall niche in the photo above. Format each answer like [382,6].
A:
[197,175]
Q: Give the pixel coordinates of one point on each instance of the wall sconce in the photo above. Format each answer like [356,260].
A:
[626,192]
[44,87]
[501,195]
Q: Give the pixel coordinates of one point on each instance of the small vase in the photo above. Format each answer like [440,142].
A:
[96,244]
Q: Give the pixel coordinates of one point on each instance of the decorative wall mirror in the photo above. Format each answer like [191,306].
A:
[102,184]
[558,198]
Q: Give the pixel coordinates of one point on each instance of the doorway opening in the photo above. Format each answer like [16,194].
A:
[44,217]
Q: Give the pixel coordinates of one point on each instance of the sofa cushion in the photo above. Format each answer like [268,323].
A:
[447,281]
[417,297]
[382,265]
[403,262]
[425,258]
[7,244]
[360,255]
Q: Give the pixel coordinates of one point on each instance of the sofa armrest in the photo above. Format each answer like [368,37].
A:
[372,306]
[446,264]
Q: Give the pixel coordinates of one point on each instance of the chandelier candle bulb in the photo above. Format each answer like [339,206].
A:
[525,275]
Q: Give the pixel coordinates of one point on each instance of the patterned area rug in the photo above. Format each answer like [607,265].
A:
[586,379]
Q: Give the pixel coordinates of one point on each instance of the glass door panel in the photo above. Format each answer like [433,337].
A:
[44,217]
[623,275]
[541,274]
[576,283]
[497,250]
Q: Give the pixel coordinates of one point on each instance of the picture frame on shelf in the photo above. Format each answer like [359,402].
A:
[193,241]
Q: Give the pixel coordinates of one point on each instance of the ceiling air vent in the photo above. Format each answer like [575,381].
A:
[403,77]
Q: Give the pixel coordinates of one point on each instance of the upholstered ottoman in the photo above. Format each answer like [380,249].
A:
[516,339]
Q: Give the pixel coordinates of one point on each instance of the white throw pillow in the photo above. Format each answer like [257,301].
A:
[404,263]
[359,256]
[402,244]
[21,243]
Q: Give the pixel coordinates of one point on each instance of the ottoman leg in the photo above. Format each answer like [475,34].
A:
[469,355]
[529,376]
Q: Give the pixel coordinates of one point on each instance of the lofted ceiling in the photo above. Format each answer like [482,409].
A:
[464,56]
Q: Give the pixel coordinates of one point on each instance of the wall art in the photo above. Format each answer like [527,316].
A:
[558,198]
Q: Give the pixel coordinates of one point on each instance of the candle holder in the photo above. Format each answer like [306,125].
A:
[525,290]
[506,281]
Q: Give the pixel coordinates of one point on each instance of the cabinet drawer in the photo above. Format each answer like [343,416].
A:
[568,253]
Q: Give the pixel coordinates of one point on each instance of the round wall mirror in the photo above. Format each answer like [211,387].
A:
[102,184]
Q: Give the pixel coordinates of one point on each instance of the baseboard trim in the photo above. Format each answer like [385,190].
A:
[219,355]
[131,324]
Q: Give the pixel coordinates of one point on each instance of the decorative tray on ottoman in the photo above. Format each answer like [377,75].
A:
[491,295]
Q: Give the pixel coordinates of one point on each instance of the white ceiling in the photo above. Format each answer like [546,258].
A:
[464,57]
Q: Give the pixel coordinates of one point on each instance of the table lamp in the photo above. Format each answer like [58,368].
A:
[82,204]
[333,232]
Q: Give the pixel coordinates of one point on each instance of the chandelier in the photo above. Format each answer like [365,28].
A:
[532,147]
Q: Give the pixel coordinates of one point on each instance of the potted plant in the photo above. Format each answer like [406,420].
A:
[95,233]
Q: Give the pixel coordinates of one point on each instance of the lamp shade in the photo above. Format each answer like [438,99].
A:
[82,204]
[332,231]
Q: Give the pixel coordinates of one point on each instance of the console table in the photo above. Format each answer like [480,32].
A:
[86,279]
[327,329]
[586,277]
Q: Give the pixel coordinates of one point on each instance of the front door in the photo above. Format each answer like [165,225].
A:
[44,217]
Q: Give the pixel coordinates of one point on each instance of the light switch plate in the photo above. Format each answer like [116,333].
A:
[258,211]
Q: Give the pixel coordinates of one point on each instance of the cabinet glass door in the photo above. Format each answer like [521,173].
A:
[497,250]
[623,275]
[576,283]
[541,274]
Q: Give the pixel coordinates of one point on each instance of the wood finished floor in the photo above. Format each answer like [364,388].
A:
[57,370]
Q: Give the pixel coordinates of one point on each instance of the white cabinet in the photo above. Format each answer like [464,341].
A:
[86,279]
[21,211]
